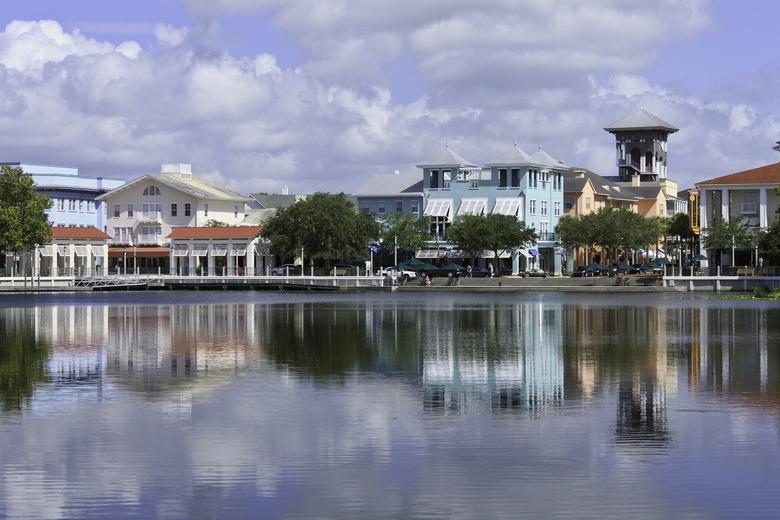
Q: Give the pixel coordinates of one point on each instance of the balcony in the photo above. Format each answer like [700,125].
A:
[150,239]
[151,217]
[547,236]
[628,162]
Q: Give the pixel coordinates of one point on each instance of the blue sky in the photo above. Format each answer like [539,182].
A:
[318,93]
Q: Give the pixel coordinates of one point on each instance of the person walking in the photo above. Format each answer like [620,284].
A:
[468,270]
[490,270]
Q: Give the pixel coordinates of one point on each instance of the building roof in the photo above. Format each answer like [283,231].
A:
[257,217]
[645,192]
[275,200]
[601,185]
[386,184]
[190,185]
[77,233]
[215,232]
[769,174]
[640,120]
[515,156]
[545,159]
[447,158]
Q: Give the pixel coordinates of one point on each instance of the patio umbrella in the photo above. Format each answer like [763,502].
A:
[416,265]
[700,258]
[595,265]
[452,267]
[661,261]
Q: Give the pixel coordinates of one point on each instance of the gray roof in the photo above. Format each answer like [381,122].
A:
[390,184]
[274,200]
[640,120]
[601,185]
[644,192]
[257,217]
[543,158]
[515,156]
[191,185]
[447,158]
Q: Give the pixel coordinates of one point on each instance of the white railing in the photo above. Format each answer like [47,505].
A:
[148,217]
[149,239]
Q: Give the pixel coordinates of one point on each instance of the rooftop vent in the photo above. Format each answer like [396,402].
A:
[183,170]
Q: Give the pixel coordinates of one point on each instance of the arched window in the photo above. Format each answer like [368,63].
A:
[151,190]
[649,161]
[635,153]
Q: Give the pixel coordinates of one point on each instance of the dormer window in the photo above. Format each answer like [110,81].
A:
[434,179]
[151,190]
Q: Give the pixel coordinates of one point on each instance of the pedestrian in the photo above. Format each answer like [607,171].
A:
[468,270]
[490,270]
[427,281]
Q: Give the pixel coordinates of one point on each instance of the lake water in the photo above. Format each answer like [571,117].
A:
[279,405]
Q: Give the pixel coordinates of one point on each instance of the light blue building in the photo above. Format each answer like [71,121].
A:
[72,196]
[529,187]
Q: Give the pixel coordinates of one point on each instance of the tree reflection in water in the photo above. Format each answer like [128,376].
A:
[22,359]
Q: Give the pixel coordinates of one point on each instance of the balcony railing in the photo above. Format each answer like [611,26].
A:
[446,185]
[143,217]
[547,236]
[628,162]
[146,239]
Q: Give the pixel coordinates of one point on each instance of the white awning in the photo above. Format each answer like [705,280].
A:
[457,253]
[438,208]
[63,250]
[200,250]
[472,207]
[491,254]
[47,250]
[525,253]
[219,249]
[238,251]
[431,253]
[507,206]
[83,251]
[181,250]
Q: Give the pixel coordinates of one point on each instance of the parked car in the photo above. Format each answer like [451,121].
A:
[286,269]
[535,273]
[393,273]
[584,271]
[479,272]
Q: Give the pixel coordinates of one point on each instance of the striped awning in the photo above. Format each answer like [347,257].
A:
[431,253]
[83,251]
[181,251]
[507,206]
[438,208]
[47,250]
[472,207]
[219,249]
[263,248]
[63,250]
[238,251]
[200,250]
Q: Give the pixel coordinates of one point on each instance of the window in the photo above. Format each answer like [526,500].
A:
[91,206]
[557,208]
[187,209]
[502,178]
[61,204]
[434,179]
[129,210]
[381,209]
[117,232]
[536,178]
[399,206]
[81,206]
[206,210]
[235,211]
[151,190]
[661,209]
[569,204]
[560,182]
[587,203]
[532,207]
[544,228]
[515,180]
[71,205]
[174,210]
[415,208]
[544,207]
[447,179]
[116,211]
[152,210]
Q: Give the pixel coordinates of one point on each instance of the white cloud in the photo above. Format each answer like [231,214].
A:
[169,35]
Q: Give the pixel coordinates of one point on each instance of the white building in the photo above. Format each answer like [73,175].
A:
[219,251]
[143,212]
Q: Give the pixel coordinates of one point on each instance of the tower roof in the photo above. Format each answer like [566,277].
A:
[447,158]
[640,120]
[515,156]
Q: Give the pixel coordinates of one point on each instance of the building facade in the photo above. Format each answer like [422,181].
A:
[751,196]
[143,212]
[219,251]
[74,199]
[391,193]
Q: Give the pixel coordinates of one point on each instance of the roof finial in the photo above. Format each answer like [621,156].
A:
[540,141]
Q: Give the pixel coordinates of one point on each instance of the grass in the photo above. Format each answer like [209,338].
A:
[759,293]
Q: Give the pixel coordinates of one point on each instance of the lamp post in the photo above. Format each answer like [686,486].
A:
[733,250]
[302,262]
[395,251]
[124,262]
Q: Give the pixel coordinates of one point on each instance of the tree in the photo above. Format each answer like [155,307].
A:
[573,233]
[769,243]
[326,226]
[493,232]
[23,220]
[410,231]
[215,223]
[723,234]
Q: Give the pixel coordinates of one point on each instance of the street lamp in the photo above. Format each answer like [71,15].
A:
[124,261]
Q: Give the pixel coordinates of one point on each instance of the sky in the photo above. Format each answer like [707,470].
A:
[319,94]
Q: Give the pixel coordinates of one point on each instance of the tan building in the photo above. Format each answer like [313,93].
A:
[586,192]
[142,213]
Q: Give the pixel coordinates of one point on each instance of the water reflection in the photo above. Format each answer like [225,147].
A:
[412,408]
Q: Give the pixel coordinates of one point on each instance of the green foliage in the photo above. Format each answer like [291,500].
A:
[23,220]
[216,223]
[325,225]
[680,226]
[22,363]
[411,231]
[609,228]
[769,243]
[723,234]
[493,232]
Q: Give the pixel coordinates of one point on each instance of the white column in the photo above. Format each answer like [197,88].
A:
[762,209]
[36,261]
[210,262]
[703,216]
[231,271]
[250,258]
[172,260]
[192,260]
[104,260]
[642,166]
[71,259]
[724,204]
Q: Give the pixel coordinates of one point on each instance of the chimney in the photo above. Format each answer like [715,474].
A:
[183,170]
[636,181]
[580,174]
[398,172]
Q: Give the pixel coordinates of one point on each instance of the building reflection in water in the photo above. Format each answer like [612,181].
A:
[527,357]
